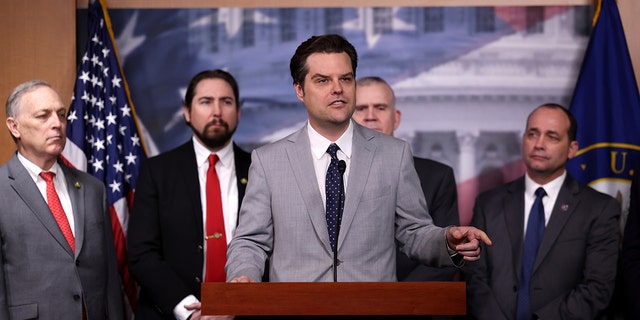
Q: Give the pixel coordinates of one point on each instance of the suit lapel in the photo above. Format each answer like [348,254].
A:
[514,219]
[189,172]
[27,190]
[242,161]
[364,148]
[301,162]
[562,210]
[77,196]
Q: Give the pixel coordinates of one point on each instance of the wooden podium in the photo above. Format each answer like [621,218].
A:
[334,298]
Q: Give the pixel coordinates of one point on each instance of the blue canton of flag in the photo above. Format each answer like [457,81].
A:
[102,132]
[606,105]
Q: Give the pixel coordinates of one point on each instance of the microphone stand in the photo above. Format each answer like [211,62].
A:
[342,166]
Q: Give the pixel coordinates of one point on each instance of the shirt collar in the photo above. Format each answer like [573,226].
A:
[320,144]
[34,170]
[225,155]
[552,188]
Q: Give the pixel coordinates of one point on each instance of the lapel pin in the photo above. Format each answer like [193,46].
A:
[564,207]
[243,181]
[77,185]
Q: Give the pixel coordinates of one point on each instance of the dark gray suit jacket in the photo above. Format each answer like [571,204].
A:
[575,269]
[165,240]
[630,254]
[41,278]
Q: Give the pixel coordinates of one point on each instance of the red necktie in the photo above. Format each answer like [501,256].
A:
[215,236]
[56,208]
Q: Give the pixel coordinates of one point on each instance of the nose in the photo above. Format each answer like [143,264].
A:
[216,110]
[539,143]
[56,120]
[337,88]
[370,114]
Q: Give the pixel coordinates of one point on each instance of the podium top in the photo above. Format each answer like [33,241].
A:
[334,298]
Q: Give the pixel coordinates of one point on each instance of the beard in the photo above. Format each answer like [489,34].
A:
[216,139]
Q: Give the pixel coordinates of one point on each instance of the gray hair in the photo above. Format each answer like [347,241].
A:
[13,102]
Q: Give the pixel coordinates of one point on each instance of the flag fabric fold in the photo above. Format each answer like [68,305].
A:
[102,132]
[606,105]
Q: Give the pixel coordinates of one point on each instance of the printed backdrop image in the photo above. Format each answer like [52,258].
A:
[465,77]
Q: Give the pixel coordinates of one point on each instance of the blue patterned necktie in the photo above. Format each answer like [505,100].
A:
[535,229]
[335,196]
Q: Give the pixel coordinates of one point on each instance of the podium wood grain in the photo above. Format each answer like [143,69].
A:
[334,298]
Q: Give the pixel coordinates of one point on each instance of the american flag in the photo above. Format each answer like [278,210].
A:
[102,131]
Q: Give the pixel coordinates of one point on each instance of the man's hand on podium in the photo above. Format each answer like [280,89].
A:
[241,279]
[198,316]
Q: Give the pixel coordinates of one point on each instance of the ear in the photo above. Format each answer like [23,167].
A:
[12,124]
[573,149]
[187,115]
[397,121]
[299,91]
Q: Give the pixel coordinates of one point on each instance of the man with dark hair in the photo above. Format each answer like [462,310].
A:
[556,244]
[327,202]
[376,110]
[57,258]
[178,232]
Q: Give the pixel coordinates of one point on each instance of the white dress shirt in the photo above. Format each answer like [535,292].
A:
[321,159]
[226,170]
[552,189]
[59,182]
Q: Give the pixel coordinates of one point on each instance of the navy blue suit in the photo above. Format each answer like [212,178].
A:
[575,269]
[630,254]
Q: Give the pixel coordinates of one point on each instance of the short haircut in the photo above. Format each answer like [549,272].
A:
[13,101]
[573,123]
[211,74]
[366,81]
[330,43]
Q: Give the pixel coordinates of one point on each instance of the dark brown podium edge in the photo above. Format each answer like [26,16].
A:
[341,298]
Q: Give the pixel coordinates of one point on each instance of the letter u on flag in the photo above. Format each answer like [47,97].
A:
[606,105]
[103,137]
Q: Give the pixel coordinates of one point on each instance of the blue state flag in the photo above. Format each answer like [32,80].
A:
[606,105]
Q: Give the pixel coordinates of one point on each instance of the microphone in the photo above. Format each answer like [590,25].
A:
[342,167]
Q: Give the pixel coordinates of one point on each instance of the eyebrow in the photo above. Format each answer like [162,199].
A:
[319,75]
[213,98]
[543,132]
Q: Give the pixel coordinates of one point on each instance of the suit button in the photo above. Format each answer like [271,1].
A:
[198,280]
[200,249]
[76,297]
[77,263]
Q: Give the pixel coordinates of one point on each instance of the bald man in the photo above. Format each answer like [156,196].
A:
[376,109]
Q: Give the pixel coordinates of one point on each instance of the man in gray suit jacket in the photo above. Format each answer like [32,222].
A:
[573,273]
[376,110]
[282,216]
[45,273]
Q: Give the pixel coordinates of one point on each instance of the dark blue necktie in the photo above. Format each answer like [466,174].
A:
[535,229]
[335,196]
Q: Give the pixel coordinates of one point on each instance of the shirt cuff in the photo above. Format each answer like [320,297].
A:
[180,312]
[456,258]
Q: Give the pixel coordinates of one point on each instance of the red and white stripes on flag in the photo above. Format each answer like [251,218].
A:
[102,132]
